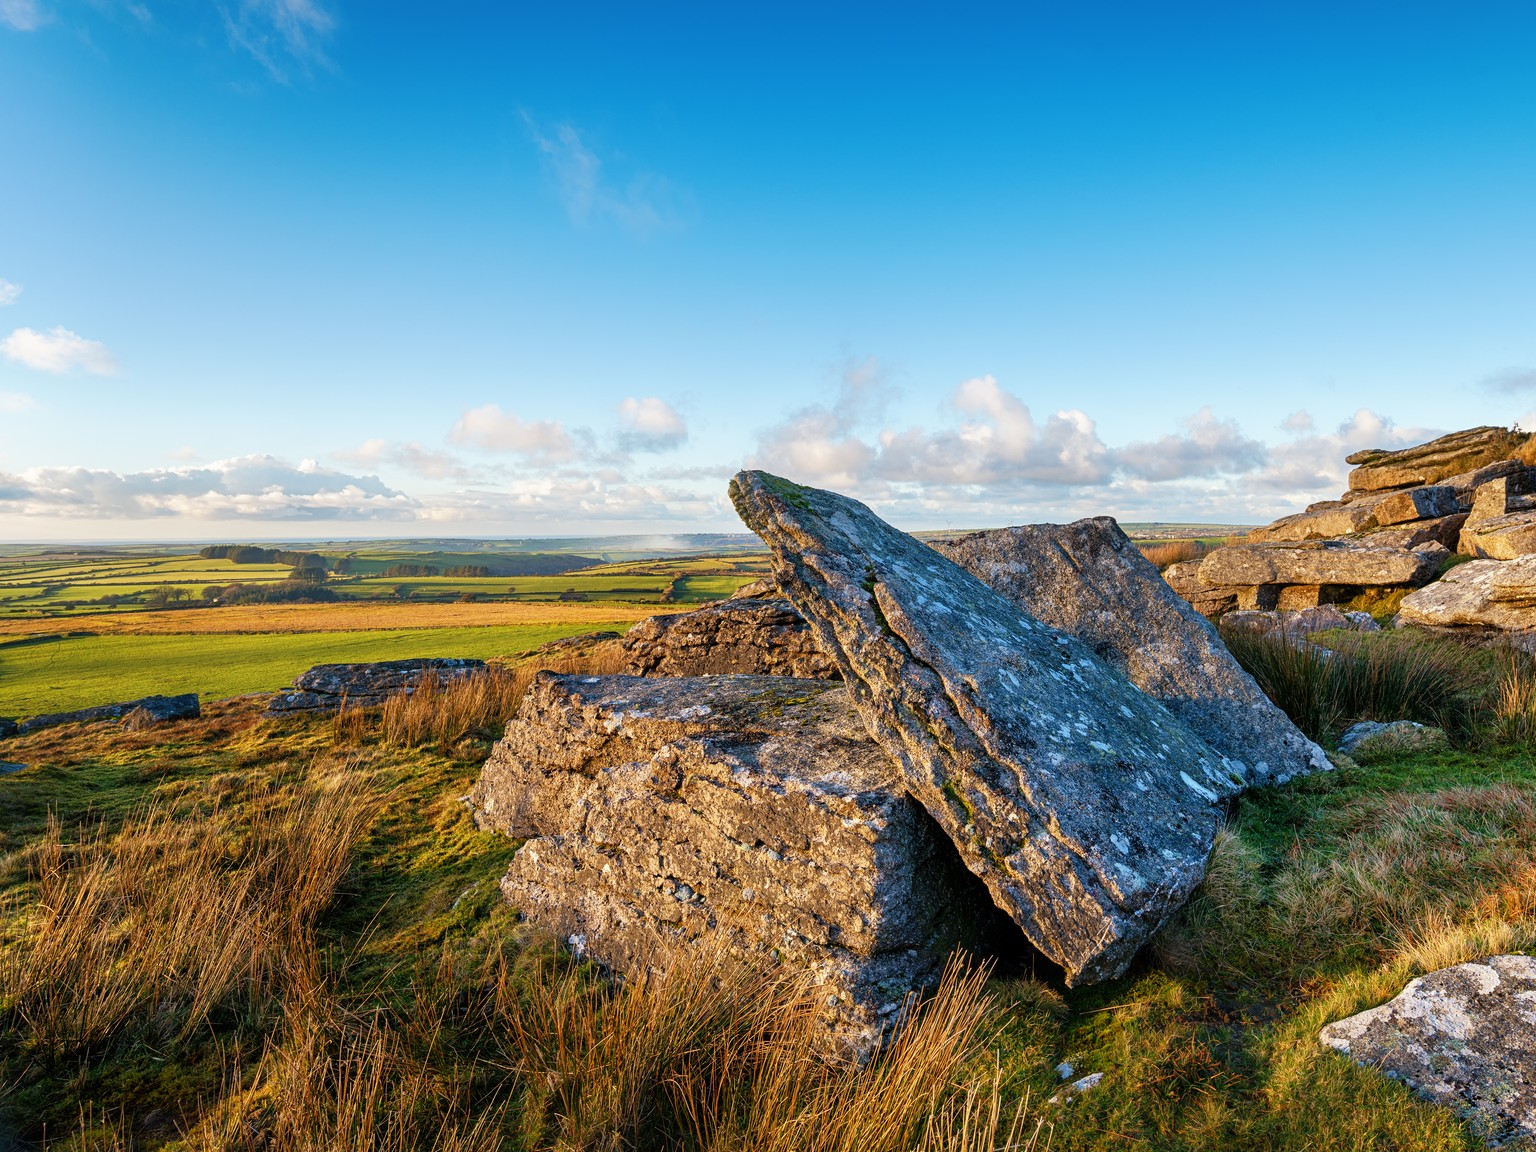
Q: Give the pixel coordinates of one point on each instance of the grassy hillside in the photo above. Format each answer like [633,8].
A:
[247,932]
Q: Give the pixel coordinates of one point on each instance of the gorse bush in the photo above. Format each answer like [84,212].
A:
[1393,676]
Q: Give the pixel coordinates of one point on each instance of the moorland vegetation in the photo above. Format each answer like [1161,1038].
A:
[255,932]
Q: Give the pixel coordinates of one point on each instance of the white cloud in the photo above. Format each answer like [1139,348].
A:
[493,430]
[281,34]
[651,424]
[245,488]
[428,463]
[58,350]
[1209,447]
[647,203]
[9,293]
[1312,466]
[1298,421]
[12,403]
[22,15]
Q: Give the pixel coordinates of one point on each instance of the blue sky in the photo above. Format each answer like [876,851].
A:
[285,268]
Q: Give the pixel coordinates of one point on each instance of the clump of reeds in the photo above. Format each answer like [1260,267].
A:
[167,918]
[1364,677]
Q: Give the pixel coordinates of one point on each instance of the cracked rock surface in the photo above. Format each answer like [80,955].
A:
[742,636]
[1086,807]
[748,813]
[1464,1037]
[1087,579]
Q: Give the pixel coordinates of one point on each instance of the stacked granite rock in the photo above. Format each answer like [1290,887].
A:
[1405,513]
[1029,754]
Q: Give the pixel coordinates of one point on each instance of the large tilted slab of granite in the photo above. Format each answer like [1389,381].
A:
[1464,1037]
[1087,579]
[1086,807]
[745,636]
[672,815]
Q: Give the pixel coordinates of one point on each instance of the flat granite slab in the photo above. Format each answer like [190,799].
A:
[1087,808]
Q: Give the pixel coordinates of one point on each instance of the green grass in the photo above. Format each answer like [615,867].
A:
[55,675]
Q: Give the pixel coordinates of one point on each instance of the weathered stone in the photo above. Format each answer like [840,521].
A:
[1429,463]
[1444,531]
[1295,597]
[1500,496]
[7,727]
[1500,537]
[1088,580]
[748,813]
[326,687]
[1320,522]
[763,588]
[9,766]
[1088,808]
[1463,1037]
[1318,562]
[1210,602]
[1424,503]
[1369,738]
[581,647]
[1481,593]
[1323,618]
[741,637]
[155,708]
[1258,598]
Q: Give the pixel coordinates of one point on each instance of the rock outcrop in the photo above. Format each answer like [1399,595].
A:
[747,813]
[1479,594]
[149,710]
[1321,562]
[1088,580]
[1503,537]
[1430,463]
[1468,492]
[747,636]
[1086,807]
[8,727]
[1464,1037]
[328,687]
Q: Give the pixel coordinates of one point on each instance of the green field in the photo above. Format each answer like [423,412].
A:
[51,674]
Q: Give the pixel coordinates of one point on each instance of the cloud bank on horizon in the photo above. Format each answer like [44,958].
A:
[292,263]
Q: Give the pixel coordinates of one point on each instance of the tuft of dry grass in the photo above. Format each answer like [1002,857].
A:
[444,712]
[170,917]
[1514,699]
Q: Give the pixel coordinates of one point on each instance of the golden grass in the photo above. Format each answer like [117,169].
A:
[356,617]
[1164,553]
[170,917]
[1514,702]
[442,713]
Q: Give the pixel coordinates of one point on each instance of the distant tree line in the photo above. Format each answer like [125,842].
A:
[251,554]
[288,592]
[469,570]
